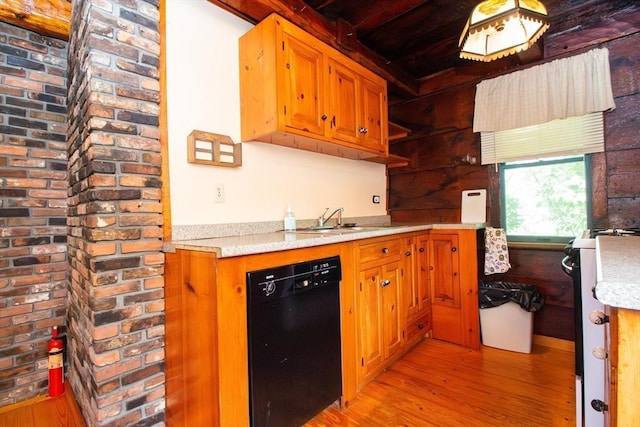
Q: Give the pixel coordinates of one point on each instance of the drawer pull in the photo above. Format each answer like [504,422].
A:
[385,250]
[420,326]
[385,283]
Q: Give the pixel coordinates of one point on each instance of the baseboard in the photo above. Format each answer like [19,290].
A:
[551,342]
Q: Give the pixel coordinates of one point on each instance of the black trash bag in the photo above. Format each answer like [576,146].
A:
[494,294]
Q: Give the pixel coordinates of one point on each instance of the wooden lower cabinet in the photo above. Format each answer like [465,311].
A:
[451,263]
[387,299]
[417,293]
[623,373]
[379,314]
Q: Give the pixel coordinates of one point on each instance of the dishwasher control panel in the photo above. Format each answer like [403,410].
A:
[281,281]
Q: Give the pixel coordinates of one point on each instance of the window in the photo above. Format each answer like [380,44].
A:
[545,200]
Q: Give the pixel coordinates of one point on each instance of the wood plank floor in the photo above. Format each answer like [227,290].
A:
[440,384]
[61,411]
[435,384]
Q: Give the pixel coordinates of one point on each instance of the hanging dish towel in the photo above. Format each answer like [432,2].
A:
[496,252]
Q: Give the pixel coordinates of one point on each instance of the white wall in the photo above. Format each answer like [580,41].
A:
[203,94]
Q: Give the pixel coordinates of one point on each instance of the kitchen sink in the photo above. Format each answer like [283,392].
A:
[342,230]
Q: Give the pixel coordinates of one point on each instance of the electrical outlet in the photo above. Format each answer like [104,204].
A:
[375,199]
[218,196]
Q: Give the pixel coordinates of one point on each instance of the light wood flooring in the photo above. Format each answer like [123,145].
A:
[44,411]
[435,384]
[440,384]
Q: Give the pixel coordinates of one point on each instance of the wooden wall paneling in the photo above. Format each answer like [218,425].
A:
[624,212]
[624,63]
[622,128]
[437,151]
[437,113]
[438,188]
[599,203]
[623,173]
[554,321]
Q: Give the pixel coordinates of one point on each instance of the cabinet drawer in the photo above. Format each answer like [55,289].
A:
[419,327]
[380,251]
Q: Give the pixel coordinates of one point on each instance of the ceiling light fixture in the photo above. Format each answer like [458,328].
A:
[497,28]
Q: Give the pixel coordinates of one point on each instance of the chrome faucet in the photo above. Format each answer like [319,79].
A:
[322,220]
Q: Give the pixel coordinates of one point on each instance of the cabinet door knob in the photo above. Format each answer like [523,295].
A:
[421,249]
[408,253]
[385,283]
[323,117]
[385,250]
[420,326]
[453,249]
[598,317]
[363,130]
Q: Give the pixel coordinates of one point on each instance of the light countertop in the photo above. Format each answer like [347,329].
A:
[618,271]
[279,240]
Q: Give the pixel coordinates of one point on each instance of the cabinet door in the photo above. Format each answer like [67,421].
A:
[444,265]
[344,100]
[303,83]
[374,116]
[370,321]
[444,282]
[422,274]
[392,324]
[411,279]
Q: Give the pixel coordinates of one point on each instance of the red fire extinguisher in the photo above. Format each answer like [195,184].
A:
[56,364]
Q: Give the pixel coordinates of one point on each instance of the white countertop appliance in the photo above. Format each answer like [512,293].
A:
[580,264]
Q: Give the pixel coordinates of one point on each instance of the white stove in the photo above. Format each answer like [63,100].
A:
[580,263]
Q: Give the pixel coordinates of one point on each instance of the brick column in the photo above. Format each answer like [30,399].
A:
[116,312]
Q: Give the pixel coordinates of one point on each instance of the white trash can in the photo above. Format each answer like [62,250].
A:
[508,327]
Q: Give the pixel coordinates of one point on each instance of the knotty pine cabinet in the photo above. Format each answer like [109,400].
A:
[380,318]
[384,298]
[298,92]
[417,293]
[622,374]
[451,266]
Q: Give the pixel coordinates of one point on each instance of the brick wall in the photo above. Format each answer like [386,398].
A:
[116,310]
[33,206]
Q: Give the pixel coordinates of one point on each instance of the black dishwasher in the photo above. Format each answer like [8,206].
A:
[293,316]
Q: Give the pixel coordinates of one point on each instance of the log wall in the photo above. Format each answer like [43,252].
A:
[429,188]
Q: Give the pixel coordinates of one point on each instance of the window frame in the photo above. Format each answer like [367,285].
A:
[586,158]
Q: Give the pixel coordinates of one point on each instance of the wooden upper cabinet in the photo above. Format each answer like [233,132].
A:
[374,135]
[303,81]
[299,92]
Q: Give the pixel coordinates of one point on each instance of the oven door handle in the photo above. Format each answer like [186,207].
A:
[567,266]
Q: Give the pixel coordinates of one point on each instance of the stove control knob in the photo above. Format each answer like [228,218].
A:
[599,353]
[598,317]
[599,405]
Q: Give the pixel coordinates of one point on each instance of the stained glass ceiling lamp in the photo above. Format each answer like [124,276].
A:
[497,28]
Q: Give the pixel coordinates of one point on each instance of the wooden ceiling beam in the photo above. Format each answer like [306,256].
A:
[50,18]
[314,23]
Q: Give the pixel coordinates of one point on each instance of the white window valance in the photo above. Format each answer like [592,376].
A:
[559,89]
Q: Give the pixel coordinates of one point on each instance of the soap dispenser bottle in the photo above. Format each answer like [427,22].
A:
[289,220]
